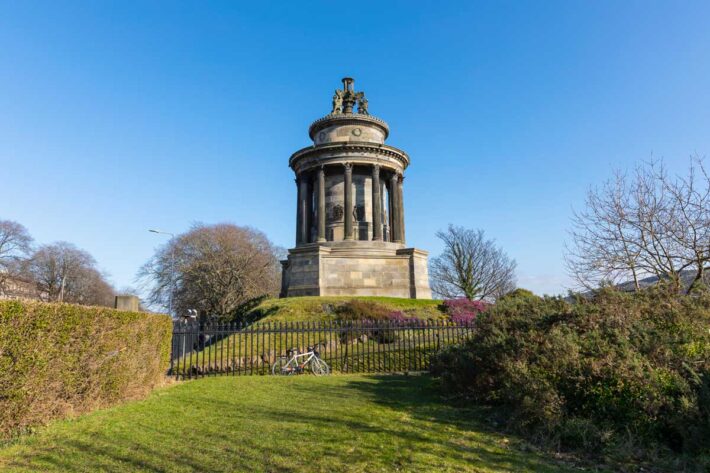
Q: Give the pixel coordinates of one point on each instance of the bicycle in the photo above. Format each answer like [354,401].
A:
[292,363]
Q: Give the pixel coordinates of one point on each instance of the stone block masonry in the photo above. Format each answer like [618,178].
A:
[319,270]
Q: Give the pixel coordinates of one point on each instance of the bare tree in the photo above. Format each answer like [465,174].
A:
[471,266]
[646,224]
[215,269]
[92,288]
[65,273]
[604,238]
[15,247]
[689,219]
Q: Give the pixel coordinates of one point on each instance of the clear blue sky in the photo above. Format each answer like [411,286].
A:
[120,116]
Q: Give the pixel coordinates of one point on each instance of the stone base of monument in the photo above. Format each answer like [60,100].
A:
[355,268]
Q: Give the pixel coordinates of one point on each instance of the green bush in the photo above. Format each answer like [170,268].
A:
[357,309]
[621,369]
[363,311]
[518,293]
[62,359]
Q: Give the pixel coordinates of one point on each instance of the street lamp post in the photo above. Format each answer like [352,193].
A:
[172,268]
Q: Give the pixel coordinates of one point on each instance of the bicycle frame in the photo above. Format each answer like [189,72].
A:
[294,358]
[295,363]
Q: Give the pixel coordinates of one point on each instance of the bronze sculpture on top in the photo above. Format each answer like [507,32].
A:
[350,237]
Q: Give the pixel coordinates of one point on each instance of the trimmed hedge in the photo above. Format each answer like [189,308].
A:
[58,360]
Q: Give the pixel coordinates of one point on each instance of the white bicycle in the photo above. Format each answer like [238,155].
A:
[298,363]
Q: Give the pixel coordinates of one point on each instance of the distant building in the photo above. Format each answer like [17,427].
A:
[12,287]
[686,279]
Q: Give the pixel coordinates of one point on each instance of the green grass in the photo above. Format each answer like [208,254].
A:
[278,424]
[301,309]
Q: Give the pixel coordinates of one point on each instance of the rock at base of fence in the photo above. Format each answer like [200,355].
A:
[238,364]
[269,357]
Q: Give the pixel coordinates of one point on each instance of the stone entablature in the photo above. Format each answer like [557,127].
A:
[385,156]
[339,127]
[350,206]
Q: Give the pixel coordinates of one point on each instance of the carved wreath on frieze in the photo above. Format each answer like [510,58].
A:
[336,214]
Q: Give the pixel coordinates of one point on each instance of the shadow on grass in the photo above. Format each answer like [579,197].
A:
[373,423]
[418,398]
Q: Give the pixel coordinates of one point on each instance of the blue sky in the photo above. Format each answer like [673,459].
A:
[116,117]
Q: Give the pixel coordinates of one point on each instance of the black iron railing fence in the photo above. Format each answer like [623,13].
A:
[202,349]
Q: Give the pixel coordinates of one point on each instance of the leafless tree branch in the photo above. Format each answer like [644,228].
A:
[646,224]
[471,266]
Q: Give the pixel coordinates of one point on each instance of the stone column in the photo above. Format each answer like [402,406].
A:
[376,204]
[309,209]
[303,209]
[321,204]
[348,211]
[390,212]
[394,203]
[298,210]
[382,204]
[400,202]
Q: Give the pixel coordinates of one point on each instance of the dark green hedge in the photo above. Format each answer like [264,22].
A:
[624,374]
[62,359]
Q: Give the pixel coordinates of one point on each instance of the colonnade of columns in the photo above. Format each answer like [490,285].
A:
[312,185]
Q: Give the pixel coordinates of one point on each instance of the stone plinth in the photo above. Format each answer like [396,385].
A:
[356,269]
[127,303]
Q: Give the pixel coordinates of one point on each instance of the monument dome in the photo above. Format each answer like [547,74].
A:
[350,232]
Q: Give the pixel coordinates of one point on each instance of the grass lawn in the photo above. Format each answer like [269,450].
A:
[300,309]
[277,424]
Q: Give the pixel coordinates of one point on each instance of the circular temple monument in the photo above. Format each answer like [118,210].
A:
[350,237]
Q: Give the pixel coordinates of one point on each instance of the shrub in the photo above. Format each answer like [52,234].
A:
[357,309]
[464,311]
[399,316]
[619,369]
[62,359]
[518,293]
[368,313]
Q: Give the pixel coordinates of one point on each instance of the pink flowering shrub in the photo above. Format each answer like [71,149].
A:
[464,311]
[369,318]
[359,310]
[399,316]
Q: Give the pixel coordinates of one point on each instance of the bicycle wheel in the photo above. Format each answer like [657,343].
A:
[319,367]
[282,367]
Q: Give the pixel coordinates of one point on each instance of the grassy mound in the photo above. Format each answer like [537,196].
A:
[274,424]
[303,309]
[253,345]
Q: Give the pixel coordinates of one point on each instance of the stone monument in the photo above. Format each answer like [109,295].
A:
[350,237]
[127,303]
